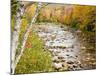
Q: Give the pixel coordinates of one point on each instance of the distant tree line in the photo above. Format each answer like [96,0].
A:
[77,16]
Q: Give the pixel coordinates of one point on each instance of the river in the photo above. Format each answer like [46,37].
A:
[68,53]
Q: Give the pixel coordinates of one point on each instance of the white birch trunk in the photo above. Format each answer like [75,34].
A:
[24,38]
[15,36]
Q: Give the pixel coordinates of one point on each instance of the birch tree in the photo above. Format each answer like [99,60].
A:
[16,35]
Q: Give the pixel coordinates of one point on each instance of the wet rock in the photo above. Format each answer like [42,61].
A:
[63,47]
[88,58]
[67,54]
[61,54]
[70,62]
[83,48]
[58,51]
[71,57]
[70,68]
[75,66]
[76,56]
[80,65]
[60,57]
[65,64]
[56,61]
[54,58]
[57,66]
[63,60]
[54,54]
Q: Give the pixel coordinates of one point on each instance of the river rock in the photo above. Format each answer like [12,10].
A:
[83,48]
[55,59]
[70,62]
[57,66]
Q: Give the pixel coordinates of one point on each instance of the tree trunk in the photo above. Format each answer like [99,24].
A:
[26,36]
[15,35]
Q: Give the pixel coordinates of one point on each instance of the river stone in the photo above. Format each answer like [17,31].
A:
[64,64]
[70,62]
[67,54]
[55,59]
[57,65]
[83,48]
[62,54]
[60,57]
[75,65]
[64,60]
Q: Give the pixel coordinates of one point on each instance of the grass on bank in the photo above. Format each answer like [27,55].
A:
[35,58]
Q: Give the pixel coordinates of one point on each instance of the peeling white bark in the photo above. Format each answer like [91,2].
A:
[16,36]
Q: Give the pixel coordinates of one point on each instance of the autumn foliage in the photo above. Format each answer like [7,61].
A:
[77,16]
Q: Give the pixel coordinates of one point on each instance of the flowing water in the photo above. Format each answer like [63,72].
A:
[64,46]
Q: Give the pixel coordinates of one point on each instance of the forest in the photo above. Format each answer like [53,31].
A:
[50,37]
